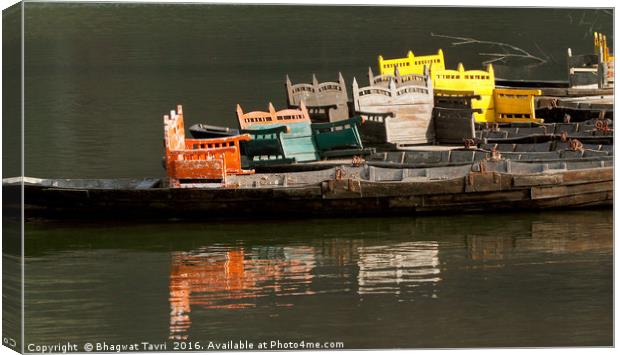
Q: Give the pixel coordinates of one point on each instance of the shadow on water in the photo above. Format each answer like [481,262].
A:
[470,280]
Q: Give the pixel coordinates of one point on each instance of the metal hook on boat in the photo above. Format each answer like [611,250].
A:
[357,161]
[340,173]
[575,145]
[468,143]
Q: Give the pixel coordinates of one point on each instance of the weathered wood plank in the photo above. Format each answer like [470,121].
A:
[570,190]
[536,180]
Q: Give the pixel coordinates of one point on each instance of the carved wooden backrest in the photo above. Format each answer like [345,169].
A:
[199,158]
[375,96]
[182,163]
[412,64]
[256,119]
[400,80]
[315,93]
[174,130]
[479,81]
[409,106]
[600,46]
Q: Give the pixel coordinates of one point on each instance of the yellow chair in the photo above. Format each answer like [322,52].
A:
[479,82]
[495,105]
[412,64]
[515,105]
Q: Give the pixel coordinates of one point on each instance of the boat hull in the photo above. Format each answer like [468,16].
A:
[486,191]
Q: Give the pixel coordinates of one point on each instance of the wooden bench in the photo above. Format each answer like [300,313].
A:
[395,115]
[196,162]
[288,136]
[325,102]
[412,64]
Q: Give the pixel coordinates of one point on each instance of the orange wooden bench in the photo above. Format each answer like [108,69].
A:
[195,162]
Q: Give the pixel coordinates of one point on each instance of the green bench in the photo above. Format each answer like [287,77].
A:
[288,136]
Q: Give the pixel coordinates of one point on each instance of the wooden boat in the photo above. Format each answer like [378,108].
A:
[201,130]
[576,109]
[593,131]
[488,185]
[466,156]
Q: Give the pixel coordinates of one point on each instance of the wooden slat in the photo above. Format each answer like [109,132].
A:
[570,190]
[536,180]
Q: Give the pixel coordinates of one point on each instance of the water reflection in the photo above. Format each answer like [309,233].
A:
[562,236]
[213,277]
[388,268]
[235,278]
[488,248]
[520,279]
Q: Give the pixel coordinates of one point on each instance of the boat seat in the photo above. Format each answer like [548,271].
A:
[540,156]
[511,131]
[429,157]
[565,127]
[515,105]
[608,148]
[462,156]
[396,114]
[339,138]
[571,154]
[195,162]
[539,130]
[288,136]
[592,146]
[559,145]
[496,134]
[505,147]
[488,146]
[325,102]
[533,147]
[593,153]
[411,64]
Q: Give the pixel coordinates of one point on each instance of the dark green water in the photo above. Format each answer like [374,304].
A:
[100,77]
[465,281]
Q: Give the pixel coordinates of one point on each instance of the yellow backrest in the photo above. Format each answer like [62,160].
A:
[479,82]
[600,44]
[412,64]
[515,105]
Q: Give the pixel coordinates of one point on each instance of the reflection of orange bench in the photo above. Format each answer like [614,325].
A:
[198,161]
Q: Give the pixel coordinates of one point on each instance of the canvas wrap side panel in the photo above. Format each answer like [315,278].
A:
[12,153]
